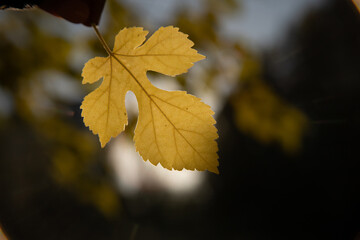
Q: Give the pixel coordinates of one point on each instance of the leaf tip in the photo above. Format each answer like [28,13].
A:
[215,170]
[103,140]
[103,144]
[201,57]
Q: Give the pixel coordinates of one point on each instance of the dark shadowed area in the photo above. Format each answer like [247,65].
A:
[283,79]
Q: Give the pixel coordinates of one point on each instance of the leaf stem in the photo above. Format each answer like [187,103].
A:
[103,43]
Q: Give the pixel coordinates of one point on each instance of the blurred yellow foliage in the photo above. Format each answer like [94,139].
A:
[73,164]
[262,113]
[69,170]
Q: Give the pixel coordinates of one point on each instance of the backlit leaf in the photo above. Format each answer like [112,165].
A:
[174,128]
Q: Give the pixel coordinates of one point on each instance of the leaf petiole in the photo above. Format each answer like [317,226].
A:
[103,43]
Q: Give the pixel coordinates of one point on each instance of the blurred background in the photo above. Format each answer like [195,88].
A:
[283,78]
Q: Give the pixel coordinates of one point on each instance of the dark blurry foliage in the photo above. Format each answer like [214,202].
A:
[86,12]
[313,194]
[45,154]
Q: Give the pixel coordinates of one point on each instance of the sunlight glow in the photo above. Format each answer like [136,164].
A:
[133,175]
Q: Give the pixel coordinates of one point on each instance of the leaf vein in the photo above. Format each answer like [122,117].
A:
[176,147]
[194,115]
[154,129]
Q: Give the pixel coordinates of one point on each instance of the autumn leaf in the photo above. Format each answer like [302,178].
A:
[174,128]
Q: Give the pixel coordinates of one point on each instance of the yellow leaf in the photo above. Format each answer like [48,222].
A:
[174,129]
